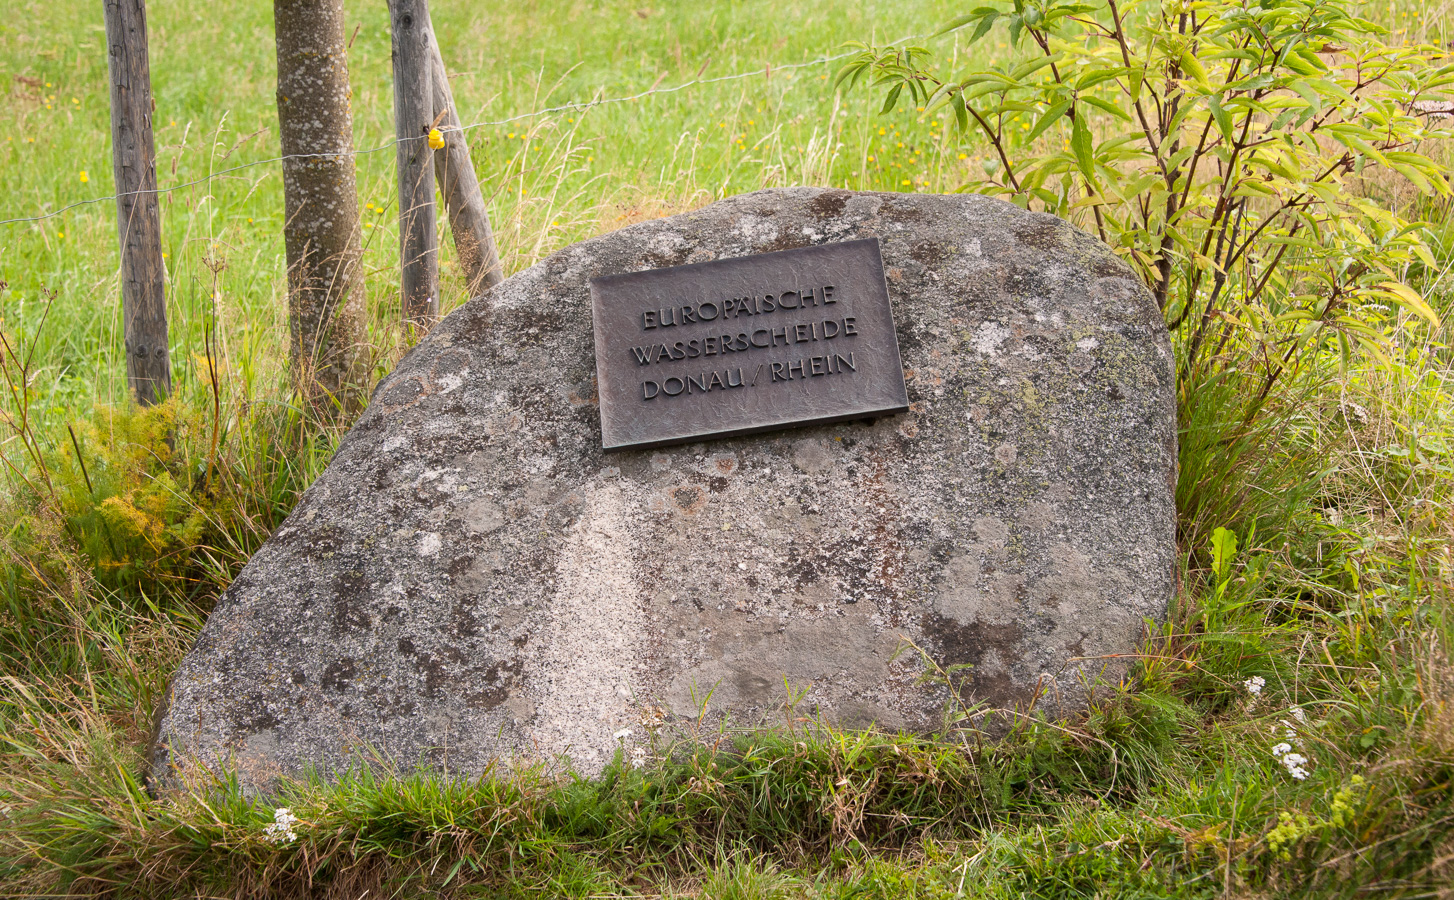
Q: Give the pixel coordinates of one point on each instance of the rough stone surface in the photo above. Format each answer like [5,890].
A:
[472,578]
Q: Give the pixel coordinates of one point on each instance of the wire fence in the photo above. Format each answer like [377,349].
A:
[766,71]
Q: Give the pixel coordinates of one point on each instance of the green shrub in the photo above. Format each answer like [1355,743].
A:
[1230,152]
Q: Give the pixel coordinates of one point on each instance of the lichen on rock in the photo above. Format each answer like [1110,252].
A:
[473,579]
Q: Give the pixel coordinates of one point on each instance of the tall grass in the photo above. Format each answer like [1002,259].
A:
[1330,581]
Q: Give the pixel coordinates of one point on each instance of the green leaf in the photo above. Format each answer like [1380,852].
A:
[1048,119]
[1030,67]
[1091,79]
[1080,143]
[1415,176]
[1224,550]
[985,25]
[851,70]
[957,22]
[1107,106]
[1410,299]
[1193,67]
[1224,121]
[1306,91]
[892,99]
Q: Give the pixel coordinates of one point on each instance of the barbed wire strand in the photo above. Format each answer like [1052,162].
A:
[565,107]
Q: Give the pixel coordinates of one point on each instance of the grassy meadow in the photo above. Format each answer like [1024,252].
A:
[1314,618]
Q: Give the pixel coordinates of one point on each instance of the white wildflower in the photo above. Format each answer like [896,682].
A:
[622,735]
[1295,763]
[1255,684]
[638,757]
[281,829]
[1289,728]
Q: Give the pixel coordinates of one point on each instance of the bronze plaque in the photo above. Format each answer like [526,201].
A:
[736,346]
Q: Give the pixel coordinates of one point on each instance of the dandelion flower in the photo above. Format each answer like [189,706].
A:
[84,177]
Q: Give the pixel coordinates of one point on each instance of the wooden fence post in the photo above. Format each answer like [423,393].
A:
[474,241]
[138,218]
[327,350]
[413,118]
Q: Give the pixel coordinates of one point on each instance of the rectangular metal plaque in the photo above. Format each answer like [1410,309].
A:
[744,345]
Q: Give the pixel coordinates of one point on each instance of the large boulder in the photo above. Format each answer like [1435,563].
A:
[473,578]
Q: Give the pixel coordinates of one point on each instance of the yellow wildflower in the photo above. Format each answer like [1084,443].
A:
[84,177]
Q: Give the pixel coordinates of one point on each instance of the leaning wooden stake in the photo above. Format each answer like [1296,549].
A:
[139,222]
[413,119]
[474,241]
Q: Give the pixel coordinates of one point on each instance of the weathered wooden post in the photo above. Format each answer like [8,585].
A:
[413,119]
[468,221]
[138,219]
[320,202]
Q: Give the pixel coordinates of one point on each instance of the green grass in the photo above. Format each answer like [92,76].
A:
[118,540]
[549,180]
